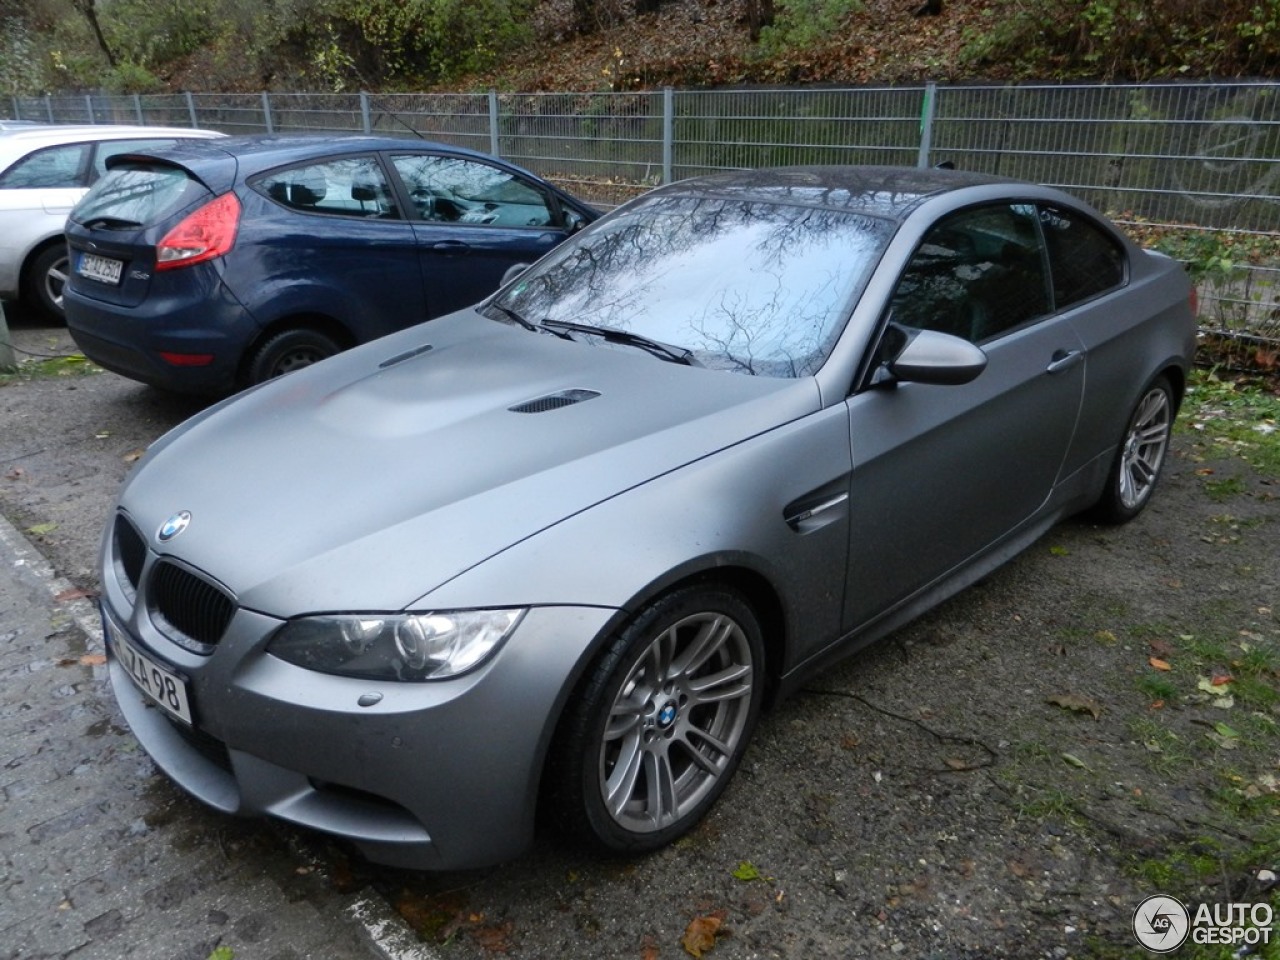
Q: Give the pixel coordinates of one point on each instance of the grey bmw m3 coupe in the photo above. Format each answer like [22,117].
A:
[556,551]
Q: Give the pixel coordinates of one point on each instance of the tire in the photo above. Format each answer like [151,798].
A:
[658,727]
[288,351]
[44,279]
[1140,459]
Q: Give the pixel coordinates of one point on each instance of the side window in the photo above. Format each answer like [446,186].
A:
[976,274]
[1084,260]
[457,190]
[348,187]
[109,148]
[52,167]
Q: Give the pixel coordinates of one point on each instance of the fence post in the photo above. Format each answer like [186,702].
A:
[266,112]
[926,123]
[668,131]
[365,124]
[88,105]
[494,144]
[191,109]
[137,109]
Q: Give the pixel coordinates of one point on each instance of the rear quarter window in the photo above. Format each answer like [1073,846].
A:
[1085,260]
[137,195]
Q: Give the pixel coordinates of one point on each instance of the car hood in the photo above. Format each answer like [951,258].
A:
[366,482]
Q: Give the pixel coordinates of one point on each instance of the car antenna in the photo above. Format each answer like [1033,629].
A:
[376,100]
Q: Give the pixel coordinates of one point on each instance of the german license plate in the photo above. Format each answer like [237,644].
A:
[161,685]
[102,269]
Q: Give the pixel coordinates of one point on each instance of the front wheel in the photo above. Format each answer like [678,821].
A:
[289,351]
[661,723]
[1141,456]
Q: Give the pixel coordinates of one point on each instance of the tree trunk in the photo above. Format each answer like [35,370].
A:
[759,16]
[90,11]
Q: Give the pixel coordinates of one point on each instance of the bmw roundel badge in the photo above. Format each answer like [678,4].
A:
[173,526]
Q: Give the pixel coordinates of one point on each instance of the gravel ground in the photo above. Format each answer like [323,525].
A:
[1007,777]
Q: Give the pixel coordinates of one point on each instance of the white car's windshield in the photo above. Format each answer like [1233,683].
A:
[756,288]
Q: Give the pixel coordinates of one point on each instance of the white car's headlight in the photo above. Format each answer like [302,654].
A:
[412,646]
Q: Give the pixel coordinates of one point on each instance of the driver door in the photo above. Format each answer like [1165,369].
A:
[941,473]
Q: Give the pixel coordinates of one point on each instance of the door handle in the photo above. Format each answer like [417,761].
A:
[1064,360]
[451,246]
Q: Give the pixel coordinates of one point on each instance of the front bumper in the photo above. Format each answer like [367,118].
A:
[438,775]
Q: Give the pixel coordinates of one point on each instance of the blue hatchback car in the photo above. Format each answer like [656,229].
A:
[214,265]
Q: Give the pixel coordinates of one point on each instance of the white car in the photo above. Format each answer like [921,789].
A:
[44,170]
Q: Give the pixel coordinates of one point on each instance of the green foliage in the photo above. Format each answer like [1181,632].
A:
[19,69]
[1132,39]
[416,40]
[804,23]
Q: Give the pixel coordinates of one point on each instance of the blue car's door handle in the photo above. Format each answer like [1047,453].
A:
[1064,360]
[451,246]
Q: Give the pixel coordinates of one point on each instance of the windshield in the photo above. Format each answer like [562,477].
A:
[136,194]
[756,288]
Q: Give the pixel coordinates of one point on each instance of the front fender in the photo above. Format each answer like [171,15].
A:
[725,510]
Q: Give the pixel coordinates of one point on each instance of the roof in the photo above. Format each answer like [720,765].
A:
[888,192]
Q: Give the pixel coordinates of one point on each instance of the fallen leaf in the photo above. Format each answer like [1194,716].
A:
[702,932]
[17,473]
[747,872]
[955,763]
[133,456]
[1075,761]
[1019,869]
[495,939]
[92,660]
[1076,703]
[1159,664]
[1226,731]
[1161,648]
[40,529]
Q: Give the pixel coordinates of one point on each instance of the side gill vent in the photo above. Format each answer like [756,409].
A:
[554,401]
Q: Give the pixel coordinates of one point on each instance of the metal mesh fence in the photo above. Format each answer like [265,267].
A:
[1192,157]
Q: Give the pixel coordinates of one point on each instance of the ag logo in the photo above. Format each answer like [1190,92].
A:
[1161,924]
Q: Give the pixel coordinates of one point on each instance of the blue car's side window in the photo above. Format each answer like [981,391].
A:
[348,187]
[459,190]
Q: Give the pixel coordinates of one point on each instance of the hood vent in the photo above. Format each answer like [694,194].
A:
[554,401]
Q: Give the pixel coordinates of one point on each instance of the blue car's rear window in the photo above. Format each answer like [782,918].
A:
[137,194]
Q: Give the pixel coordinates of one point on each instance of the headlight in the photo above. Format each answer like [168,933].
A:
[414,646]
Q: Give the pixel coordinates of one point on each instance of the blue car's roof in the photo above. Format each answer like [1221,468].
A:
[220,164]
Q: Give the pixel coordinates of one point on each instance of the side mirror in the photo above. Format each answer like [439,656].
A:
[928,356]
[513,271]
[574,221]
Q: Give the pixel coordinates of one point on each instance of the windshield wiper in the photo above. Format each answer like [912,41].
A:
[664,351]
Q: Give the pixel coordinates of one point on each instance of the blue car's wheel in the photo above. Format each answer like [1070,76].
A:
[289,351]
[662,721]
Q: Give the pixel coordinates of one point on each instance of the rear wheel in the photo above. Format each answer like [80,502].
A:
[44,280]
[288,351]
[661,723]
[1141,456]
